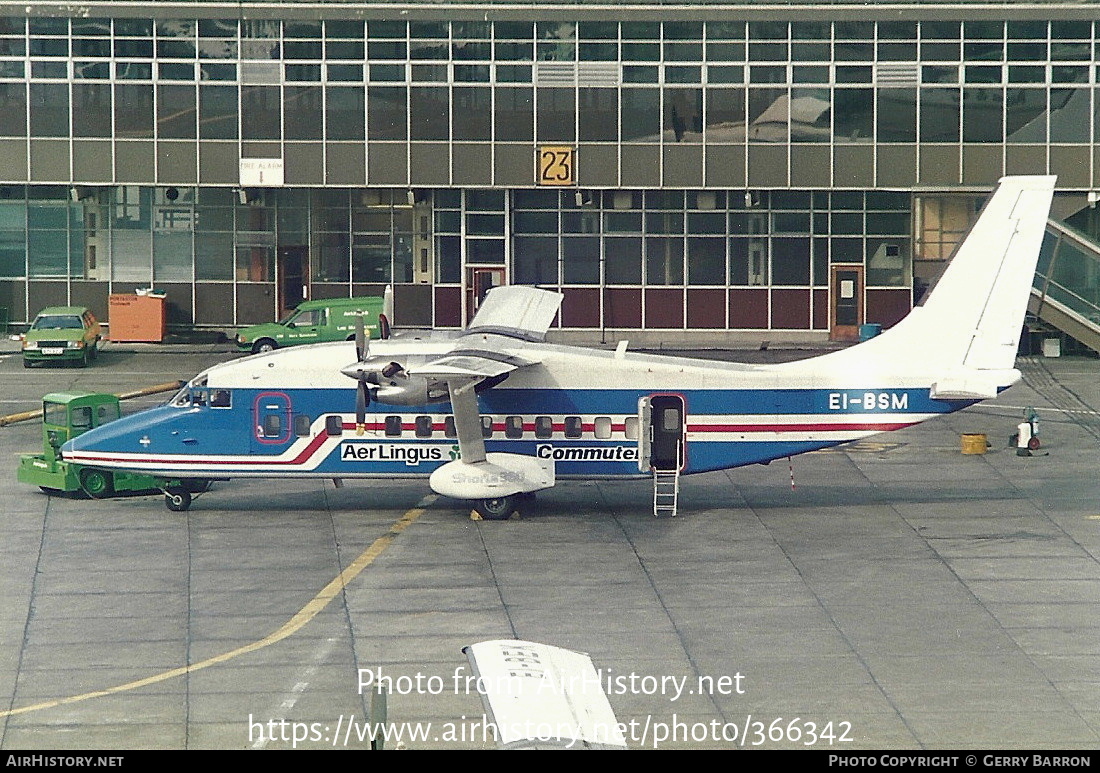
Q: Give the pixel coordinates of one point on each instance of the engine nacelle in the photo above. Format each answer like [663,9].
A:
[411,390]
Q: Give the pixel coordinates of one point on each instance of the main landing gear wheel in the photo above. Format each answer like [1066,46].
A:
[97,484]
[177,498]
[497,508]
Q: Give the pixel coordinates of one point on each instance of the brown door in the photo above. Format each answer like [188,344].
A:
[480,281]
[845,303]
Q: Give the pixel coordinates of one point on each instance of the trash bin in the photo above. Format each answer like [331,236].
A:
[137,318]
[974,443]
[869,330]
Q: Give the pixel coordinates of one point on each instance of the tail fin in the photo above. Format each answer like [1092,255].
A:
[966,332]
[983,293]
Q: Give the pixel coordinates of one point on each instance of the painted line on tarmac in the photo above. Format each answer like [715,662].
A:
[292,626]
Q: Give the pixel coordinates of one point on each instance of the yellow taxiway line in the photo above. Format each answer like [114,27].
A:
[292,626]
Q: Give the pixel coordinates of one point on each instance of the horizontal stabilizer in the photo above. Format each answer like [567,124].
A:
[973,385]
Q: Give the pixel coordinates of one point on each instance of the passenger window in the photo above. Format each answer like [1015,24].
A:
[486,426]
[603,427]
[82,418]
[670,419]
[544,427]
[220,398]
[574,427]
[273,425]
[631,427]
[334,426]
[449,429]
[423,426]
[513,427]
[302,424]
[393,426]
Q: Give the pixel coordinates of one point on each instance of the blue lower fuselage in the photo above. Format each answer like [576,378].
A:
[589,433]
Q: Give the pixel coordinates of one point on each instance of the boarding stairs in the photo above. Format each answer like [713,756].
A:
[666,490]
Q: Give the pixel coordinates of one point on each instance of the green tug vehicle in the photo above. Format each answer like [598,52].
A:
[64,416]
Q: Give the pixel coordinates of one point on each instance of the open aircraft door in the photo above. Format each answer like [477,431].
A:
[661,441]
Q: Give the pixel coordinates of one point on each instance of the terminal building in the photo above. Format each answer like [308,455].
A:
[700,171]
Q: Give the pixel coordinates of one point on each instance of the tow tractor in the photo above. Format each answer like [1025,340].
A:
[68,414]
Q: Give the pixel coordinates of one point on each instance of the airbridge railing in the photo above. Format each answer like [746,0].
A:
[1066,288]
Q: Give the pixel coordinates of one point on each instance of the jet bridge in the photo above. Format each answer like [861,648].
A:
[1066,290]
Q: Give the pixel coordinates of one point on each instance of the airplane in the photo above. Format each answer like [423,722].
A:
[494,413]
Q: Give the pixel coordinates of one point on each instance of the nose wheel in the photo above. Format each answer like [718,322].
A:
[177,498]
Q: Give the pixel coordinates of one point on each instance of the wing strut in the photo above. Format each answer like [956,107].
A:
[471,442]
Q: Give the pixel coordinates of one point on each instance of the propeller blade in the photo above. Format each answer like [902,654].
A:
[360,338]
[362,400]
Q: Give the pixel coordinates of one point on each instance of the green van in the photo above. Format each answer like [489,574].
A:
[313,322]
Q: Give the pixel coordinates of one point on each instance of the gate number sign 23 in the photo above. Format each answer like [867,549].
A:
[556,165]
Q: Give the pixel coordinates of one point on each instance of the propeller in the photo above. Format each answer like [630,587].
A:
[362,400]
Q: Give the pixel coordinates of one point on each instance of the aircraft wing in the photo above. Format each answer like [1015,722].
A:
[516,311]
[471,363]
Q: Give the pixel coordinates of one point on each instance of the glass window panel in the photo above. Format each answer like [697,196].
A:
[791,260]
[172,256]
[176,112]
[556,115]
[429,113]
[13,109]
[982,115]
[255,264]
[213,253]
[853,113]
[683,114]
[217,112]
[536,260]
[664,260]
[641,115]
[623,259]
[581,260]
[91,110]
[349,49]
[48,253]
[387,112]
[136,48]
[263,106]
[897,115]
[1066,108]
[302,49]
[706,260]
[472,116]
[348,73]
[598,114]
[49,109]
[344,112]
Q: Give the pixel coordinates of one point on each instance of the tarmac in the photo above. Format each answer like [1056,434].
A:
[891,594]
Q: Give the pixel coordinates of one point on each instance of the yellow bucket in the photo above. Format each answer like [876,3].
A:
[973,443]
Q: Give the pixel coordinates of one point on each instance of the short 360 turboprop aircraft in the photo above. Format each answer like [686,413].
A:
[494,413]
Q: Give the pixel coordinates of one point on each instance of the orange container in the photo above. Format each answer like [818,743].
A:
[137,318]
